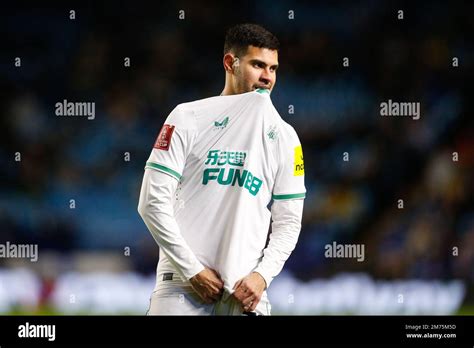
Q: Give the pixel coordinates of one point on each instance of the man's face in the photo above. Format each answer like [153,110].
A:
[256,69]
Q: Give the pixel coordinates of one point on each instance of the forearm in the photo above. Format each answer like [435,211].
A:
[286,226]
[156,209]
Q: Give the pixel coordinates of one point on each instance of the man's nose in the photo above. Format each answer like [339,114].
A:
[265,77]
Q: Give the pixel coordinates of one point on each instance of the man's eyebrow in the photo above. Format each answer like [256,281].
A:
[255,60]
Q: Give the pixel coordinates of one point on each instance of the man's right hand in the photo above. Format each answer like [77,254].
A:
[208,284]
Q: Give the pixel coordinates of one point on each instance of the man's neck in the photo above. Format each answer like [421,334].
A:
[227,91]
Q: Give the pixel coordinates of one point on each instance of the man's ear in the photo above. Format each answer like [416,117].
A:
[229,61]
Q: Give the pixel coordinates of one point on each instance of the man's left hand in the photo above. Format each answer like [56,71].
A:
[249,290]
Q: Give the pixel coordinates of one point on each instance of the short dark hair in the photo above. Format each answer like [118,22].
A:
[239,37]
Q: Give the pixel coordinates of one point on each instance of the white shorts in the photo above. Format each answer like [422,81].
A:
[175,297]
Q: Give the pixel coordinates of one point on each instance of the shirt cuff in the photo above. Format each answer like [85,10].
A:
[193,271]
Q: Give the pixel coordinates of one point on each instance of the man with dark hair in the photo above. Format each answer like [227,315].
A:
[250,59]
[216,167]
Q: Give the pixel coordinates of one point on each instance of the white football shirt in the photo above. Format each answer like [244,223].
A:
[231,155]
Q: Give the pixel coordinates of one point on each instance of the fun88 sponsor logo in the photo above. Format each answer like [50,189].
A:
[224,169]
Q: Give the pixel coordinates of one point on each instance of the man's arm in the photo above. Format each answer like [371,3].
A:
[156,209]
[286,226]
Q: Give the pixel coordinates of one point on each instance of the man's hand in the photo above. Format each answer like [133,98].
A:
[248,291]
[208,285]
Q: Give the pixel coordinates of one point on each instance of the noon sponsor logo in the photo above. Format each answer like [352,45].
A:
[299,161]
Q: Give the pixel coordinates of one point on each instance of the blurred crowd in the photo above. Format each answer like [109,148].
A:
[401,187]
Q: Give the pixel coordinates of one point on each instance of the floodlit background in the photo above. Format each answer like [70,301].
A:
[401,187]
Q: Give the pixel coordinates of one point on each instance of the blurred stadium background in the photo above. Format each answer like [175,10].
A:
[99,258]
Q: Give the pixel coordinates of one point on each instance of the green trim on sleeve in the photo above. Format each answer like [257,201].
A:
[290,196]
[163,169]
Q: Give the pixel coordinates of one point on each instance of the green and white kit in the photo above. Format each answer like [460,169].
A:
[231,156]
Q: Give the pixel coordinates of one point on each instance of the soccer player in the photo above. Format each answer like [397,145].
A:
[217,166]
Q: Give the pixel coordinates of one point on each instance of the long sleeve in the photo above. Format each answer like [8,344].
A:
[156,209]
[286,226]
